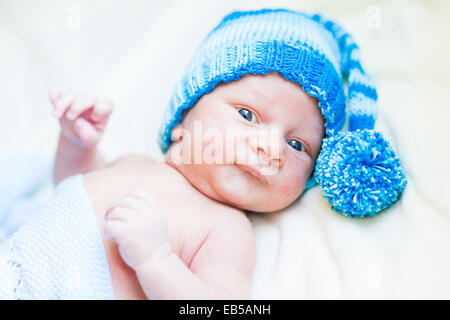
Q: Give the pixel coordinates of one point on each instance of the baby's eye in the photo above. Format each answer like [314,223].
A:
[296,145]
[247,115]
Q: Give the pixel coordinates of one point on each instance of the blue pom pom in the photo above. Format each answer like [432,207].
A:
[359,173]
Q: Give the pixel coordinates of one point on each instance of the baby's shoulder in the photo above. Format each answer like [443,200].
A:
[126,173]
[230,218]
[131,159]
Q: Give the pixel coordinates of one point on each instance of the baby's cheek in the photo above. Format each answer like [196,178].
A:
[289,190]
[221,142]
[295,181]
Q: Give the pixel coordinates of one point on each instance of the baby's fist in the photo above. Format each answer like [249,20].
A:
[139,225]
[83,118]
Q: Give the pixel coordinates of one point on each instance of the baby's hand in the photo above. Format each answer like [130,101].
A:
[139,225]
[83,118]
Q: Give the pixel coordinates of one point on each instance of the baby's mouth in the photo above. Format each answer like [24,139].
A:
[253,171]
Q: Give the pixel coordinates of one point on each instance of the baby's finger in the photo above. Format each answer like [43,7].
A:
[86,133]
[80,105]
[145,195]
[102,109]
[55,94]
[113,230]
[61,105]
[117,213]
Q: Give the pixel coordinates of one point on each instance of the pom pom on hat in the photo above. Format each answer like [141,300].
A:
[359,173]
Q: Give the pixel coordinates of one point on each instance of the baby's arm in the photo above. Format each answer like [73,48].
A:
[221,268]
[83,120]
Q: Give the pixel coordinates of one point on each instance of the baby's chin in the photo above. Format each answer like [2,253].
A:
[236,188]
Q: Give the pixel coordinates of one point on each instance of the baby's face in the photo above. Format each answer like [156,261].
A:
[250,143]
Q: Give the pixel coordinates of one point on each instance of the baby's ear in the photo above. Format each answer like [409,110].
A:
[177,133]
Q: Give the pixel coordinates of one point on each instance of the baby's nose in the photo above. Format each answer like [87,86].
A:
[269,149]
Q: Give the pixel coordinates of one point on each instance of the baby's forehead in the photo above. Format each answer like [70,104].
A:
[267,91]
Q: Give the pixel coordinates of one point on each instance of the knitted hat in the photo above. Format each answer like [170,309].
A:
[358,172]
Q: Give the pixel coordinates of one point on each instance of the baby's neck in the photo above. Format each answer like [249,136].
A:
[177,170]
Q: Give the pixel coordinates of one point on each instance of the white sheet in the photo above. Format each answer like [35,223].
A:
[135,53]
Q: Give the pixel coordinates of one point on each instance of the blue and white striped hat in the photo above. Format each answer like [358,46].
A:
[357,170]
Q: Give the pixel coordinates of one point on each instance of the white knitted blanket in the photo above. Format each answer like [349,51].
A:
[59,253]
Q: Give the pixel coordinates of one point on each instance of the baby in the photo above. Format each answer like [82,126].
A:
[243,132]
[183,231]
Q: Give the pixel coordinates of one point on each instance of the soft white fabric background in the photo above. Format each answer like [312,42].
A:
[134,51]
